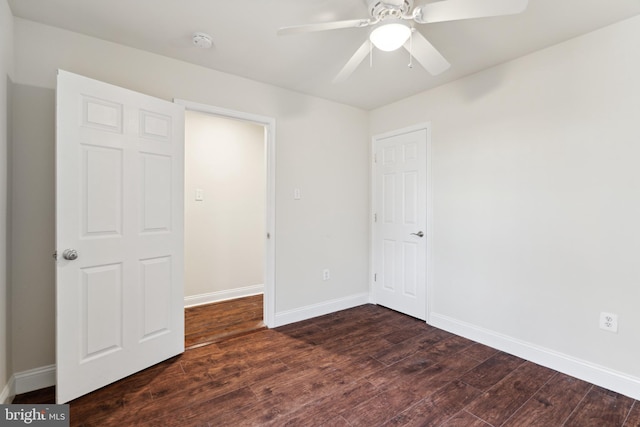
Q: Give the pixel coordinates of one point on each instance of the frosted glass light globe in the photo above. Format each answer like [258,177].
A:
[390,35]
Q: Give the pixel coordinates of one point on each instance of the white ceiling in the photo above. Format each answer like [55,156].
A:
[246,44]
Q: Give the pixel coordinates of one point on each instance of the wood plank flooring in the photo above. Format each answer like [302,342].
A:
[367,366]
[211,323]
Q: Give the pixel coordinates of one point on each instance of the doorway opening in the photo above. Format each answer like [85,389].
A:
[229,218]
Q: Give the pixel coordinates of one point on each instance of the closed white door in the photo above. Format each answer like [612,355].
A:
[400,222]
[119,233]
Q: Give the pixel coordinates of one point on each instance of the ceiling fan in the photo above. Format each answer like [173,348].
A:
[392,27]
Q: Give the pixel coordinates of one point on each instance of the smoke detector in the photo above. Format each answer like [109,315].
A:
[202,40]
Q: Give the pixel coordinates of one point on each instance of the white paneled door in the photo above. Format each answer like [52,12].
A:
[119,233]
[400,222]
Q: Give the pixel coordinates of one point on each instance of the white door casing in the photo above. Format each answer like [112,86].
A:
[119,204]
[401,229]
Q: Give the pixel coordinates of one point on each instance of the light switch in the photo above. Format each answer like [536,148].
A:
[296,194]
[199,195]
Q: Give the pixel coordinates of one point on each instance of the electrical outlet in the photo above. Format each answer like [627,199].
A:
[326,275]
[609,322]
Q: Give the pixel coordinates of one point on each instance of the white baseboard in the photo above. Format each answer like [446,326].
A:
[35,379]
[8,392]
[218,296]
[315,310]
[586,371]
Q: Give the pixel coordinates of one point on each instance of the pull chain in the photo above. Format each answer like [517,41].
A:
[411,48]
[370,55]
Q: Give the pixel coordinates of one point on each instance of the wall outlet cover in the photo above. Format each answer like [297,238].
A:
[609,322]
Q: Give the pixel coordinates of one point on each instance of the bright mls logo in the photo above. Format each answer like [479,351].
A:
[34,415]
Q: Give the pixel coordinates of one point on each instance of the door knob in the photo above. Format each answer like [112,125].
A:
[70,254]
[419,234]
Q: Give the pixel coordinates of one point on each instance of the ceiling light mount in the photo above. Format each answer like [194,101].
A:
[202,40]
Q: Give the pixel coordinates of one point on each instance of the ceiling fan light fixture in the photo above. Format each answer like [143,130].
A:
[390,34]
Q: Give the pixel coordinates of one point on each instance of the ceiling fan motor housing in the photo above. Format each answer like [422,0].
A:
[381,9]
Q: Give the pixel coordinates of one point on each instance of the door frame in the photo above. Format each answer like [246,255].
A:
[269,123]
[429,220]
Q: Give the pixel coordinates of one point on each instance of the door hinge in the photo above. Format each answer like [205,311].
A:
[375,158]
[375,277]
[375,217]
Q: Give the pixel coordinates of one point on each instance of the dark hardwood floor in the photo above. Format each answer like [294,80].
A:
[211,323]
[367,366]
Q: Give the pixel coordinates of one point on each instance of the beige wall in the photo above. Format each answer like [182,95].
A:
[322,148]
[6,59]
[32,227]
[536,197]
[225,232]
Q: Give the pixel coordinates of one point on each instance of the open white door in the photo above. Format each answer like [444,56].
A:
[400,222]
[119,213]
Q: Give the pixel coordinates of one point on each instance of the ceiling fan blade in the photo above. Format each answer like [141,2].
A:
[427,55]
[353,63]
[324,26]
[453,10]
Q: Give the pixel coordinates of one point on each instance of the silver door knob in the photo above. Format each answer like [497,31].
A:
[419,234]
[70,254]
